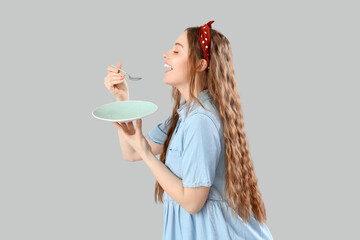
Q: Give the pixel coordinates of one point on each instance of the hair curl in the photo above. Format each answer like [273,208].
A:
[244,196]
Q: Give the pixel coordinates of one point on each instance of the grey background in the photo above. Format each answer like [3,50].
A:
[62,175]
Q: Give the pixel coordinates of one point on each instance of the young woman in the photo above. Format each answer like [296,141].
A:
[205,176]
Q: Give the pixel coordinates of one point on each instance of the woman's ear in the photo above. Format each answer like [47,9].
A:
[202,65]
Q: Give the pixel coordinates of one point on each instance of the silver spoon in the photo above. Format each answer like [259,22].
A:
[131,78]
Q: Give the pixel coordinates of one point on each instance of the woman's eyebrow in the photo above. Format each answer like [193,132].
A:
[179,44]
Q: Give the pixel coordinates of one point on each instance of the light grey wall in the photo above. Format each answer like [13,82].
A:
[62,175]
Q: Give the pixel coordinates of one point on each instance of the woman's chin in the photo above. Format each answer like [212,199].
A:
[172,81]
[168,81]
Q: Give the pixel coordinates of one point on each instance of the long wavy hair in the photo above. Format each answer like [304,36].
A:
[244,196]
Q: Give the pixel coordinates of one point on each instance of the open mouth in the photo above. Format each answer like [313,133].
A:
[168,67]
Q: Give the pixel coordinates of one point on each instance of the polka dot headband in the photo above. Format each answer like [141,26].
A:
[204,35]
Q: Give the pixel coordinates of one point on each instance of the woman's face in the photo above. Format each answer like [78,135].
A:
[177,58]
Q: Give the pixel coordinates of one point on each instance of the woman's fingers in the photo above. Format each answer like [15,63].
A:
[113,82]
[121,126]
[116,74]
[131,126]
[112,69]
[111,79]
[117,124]
[116,82]
[128,127]
[116,79]
[139,125]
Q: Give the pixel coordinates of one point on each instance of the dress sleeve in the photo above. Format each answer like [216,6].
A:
[159,132]
[201,152]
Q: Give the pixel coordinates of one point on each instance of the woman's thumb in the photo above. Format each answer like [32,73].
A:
[119,64]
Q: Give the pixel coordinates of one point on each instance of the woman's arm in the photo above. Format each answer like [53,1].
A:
[127,151]
[191,199]
[130,155]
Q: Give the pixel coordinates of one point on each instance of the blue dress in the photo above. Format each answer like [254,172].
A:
[196,154]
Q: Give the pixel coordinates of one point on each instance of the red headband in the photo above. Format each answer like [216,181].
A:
[204,35]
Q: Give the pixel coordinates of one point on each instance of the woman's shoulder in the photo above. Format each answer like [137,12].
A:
[205,116]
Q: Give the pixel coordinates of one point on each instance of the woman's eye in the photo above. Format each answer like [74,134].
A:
[175,52]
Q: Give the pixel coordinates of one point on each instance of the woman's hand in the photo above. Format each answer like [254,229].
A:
[133,136]
[116,84]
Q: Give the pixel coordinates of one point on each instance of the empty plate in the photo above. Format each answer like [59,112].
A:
[124,111]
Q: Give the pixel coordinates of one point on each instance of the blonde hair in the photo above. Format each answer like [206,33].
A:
[244,196]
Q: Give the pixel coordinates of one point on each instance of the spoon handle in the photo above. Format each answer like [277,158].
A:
[122,71]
